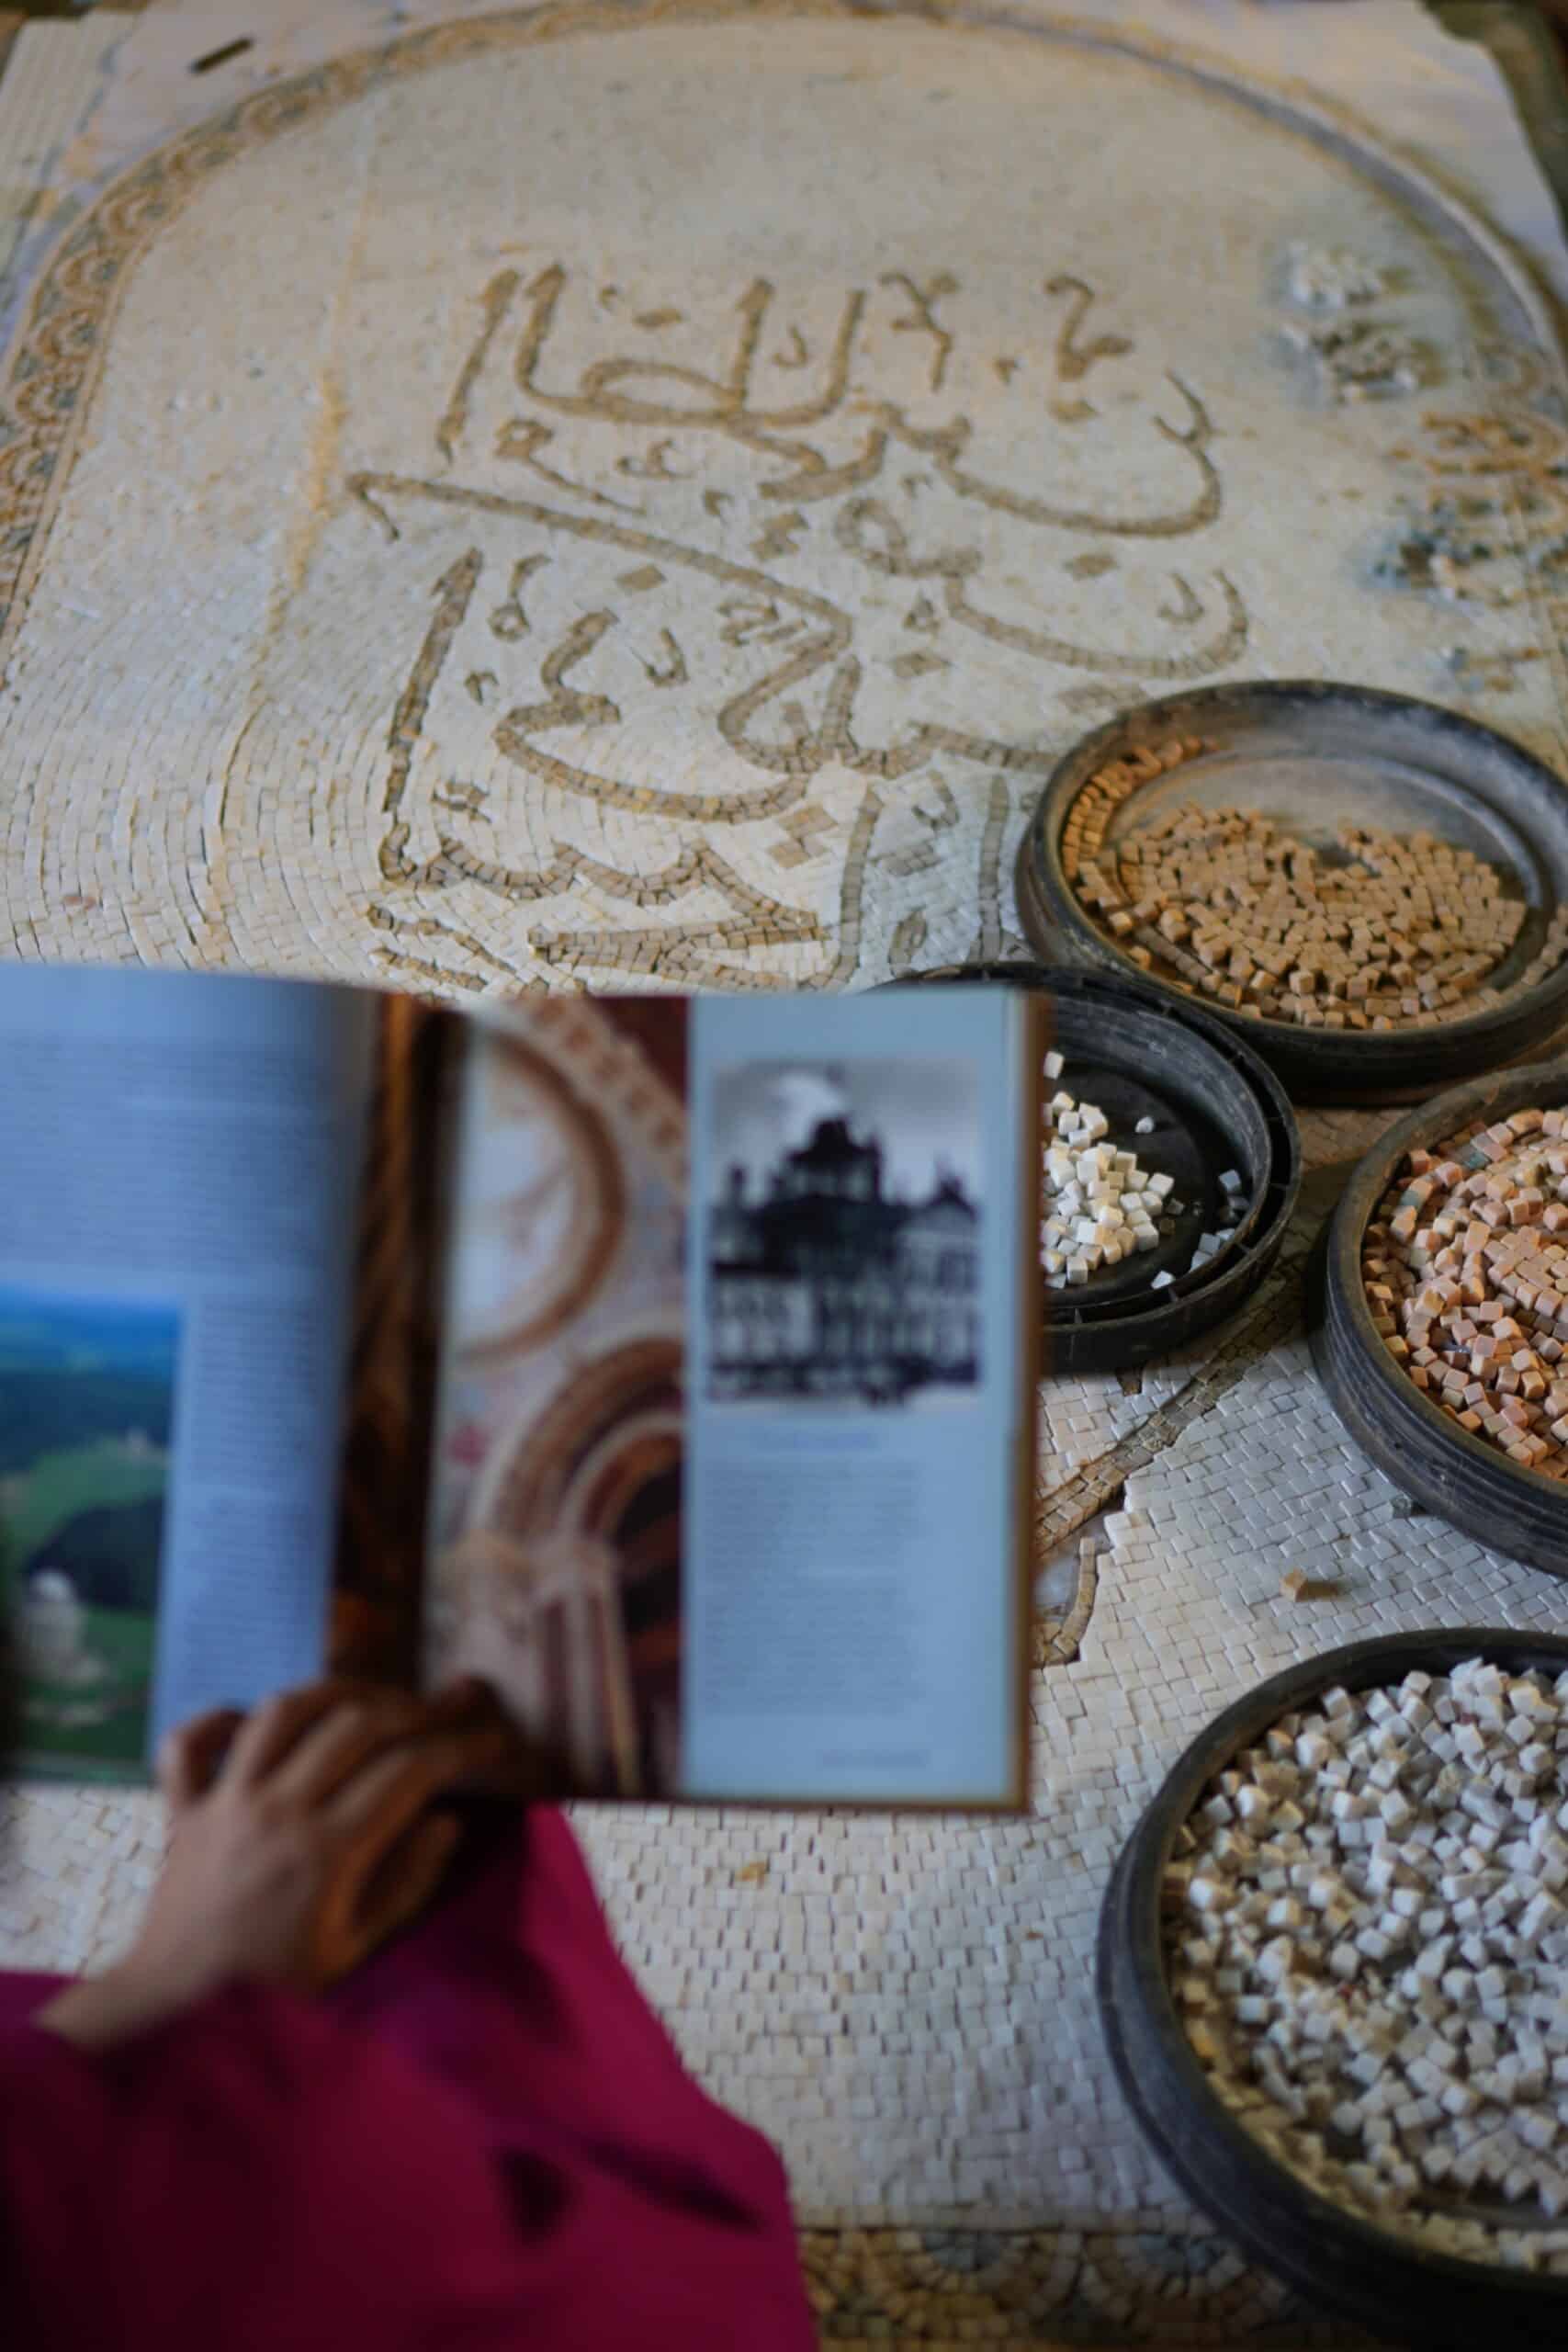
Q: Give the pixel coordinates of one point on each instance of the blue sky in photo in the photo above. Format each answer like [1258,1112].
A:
[925,1112]
[47,1332]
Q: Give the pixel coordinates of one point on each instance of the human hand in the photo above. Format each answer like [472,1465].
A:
[302,1838]
[193,1754]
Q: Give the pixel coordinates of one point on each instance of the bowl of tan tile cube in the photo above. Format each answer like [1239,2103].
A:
[1438,1310]
[1372,891]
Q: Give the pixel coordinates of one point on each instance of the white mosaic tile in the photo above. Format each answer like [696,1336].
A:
[926,1984]
[75,1870]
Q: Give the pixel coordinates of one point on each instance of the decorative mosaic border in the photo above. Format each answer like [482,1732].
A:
[1052,2287]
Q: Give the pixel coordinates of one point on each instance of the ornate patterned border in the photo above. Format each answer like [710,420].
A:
[57,354]
[1052,2289]
[534,1472]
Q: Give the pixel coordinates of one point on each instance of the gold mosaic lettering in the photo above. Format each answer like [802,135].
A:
[1074,359]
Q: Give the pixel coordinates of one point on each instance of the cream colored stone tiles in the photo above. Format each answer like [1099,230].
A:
[349,644]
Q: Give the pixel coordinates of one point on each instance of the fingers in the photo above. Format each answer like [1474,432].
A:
[189,1756]
[275,1726]
[468,1699]
[463,1736]
[391,1861]
[312,1740]
[400,1887]
[340,1742]
[524,1771]
[378,1805]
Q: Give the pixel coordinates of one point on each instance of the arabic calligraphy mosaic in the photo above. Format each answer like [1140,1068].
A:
[741,610]
[789,443]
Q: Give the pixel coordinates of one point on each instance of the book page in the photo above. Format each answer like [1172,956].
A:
[727,1497]
[856,1385]
[555,1544]
[180,1160]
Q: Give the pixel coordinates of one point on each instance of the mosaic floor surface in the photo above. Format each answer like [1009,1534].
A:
[552,575]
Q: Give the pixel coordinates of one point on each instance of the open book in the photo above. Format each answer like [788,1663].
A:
[668,1361]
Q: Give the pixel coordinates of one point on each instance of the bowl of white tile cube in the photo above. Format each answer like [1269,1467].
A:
[1333,1976]
[1170,1166]
[1439,1327]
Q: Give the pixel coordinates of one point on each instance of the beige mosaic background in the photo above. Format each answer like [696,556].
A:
[495,533]
[520,507]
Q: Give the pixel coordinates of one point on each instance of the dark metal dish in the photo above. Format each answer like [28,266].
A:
[1441,2301]
[1139,1053]
[1312,757]
[1461,1478]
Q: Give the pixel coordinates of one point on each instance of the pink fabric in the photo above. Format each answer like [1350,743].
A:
[484,2139]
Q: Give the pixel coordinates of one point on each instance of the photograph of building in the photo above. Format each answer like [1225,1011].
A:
[843,1244]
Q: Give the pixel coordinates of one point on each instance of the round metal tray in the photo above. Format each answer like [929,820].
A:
[1448,1471]
[1312,757]
[1388,2284]
[1215,1107]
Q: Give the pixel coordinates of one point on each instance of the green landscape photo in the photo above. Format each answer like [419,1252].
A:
[87,1417]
